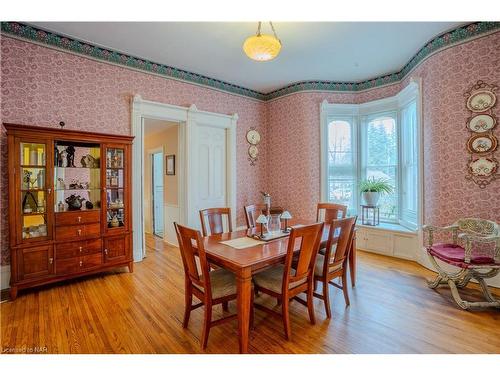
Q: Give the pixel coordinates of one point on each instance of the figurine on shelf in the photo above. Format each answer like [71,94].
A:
[62,159]
[60,206]
[114,221]
[89,205]
[56,156]
[74,202]
[88,161]
[60,184]
[71,156]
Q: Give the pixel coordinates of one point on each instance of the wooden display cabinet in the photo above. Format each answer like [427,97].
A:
[69,204]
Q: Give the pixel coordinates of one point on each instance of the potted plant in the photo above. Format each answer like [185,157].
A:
[372,188]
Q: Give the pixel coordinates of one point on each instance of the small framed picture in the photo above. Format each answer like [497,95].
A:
[170,163]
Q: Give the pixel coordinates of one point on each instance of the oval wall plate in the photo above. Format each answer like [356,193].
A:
[482,143]
[481,101]
[483,167]
[481,123]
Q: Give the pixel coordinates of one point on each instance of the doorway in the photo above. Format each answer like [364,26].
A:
[157,192]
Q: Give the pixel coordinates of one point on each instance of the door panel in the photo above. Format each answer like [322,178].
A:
[211,168]
[35,262]
[116,249]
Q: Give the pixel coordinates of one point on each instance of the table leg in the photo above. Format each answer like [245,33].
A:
[244,283]
[352,262]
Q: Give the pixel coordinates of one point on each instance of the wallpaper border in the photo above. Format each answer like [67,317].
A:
[448,39]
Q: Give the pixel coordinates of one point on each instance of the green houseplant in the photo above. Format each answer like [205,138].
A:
[371,189]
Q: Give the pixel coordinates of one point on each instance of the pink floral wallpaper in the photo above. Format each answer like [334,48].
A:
[293,136]
[42,86]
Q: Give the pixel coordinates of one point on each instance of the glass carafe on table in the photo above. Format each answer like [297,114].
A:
[274,223]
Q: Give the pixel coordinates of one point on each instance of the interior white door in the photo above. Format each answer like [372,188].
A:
[211,168]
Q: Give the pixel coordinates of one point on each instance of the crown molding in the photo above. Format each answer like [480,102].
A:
[439,43]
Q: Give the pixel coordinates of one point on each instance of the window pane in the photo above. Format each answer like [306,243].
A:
[381,161]
[409,161]
[341,164]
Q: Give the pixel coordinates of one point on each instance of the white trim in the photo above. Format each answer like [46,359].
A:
[190,119]
[4,277]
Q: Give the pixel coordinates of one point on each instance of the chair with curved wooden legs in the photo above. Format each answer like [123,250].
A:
[333,263]
[210,287]
[254,210]
[214,217]
[284,282]
[330,211]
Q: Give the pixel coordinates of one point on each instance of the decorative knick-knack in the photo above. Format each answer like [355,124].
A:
[70,156]
[114,221]
[89,205]
[60,206]
[62,162]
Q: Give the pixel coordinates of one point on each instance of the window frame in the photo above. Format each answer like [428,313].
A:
[360,115]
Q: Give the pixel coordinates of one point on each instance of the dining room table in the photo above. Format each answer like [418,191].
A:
[247,261]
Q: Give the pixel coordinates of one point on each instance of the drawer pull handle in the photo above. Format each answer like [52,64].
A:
[51,260]
[79,218]
[79,232]
[81,263]
[106,251]
[80,249]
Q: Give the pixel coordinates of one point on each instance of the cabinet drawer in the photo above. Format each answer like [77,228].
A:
[79,264]
[78,217]
[76,249]
[73,232]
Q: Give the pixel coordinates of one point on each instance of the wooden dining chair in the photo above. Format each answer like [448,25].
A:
[330,211]
[210,287]
[284,282]
[333,263]
[214,217]
[254,210]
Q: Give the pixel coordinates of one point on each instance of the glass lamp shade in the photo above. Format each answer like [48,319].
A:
[262,47]
[262,219]
[286,215]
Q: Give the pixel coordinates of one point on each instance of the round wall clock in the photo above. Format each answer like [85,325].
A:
[253,137]
[481,123]
[253,151]
[482,143]
[481,101]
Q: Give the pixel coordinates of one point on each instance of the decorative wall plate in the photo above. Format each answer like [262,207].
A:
[483,167]
[481,101]
[253,137]
[481,123]
[482,143]
[253,151]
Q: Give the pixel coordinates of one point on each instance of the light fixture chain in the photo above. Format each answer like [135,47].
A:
[274,31]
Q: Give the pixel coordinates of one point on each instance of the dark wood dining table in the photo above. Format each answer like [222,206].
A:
[248,261]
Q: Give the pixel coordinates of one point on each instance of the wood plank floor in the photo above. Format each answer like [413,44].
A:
[392,311]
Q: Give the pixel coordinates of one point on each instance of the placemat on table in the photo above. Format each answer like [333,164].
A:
[242,243]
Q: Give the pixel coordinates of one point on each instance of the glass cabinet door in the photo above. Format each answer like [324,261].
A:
[34,191]
[115,191]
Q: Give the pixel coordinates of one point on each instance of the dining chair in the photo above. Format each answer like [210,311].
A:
[333,263]
[214,217]
[210,287]
[254,210]
[330,211]
[284,282]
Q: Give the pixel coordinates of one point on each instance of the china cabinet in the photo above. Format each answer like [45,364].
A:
[69,204]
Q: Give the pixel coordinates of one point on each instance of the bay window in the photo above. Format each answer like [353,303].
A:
[378,140]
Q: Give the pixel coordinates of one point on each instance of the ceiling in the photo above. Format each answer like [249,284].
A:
[153,127]
[330,51]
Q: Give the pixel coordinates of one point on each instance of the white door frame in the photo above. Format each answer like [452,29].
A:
[190,119]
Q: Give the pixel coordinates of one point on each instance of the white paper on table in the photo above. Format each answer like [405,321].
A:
[242,243]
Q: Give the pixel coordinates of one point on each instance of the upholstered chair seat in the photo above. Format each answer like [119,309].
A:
[455,255]
[320,261]
[272,279]
[222,283]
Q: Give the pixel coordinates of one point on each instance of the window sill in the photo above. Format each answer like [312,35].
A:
[389,227]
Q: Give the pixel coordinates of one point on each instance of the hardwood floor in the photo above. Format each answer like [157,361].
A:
[392,311]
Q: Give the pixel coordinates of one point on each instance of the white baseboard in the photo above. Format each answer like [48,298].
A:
[4,277]
[243,227]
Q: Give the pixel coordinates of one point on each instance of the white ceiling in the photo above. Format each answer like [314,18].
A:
[153,127]
[332,51]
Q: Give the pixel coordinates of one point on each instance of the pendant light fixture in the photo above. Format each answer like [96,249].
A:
[262,47]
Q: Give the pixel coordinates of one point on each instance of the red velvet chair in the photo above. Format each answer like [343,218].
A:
[475,251]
